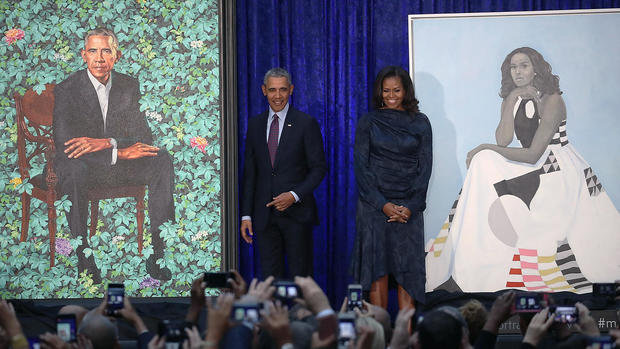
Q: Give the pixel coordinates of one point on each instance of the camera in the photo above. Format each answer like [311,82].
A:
[246,312]
[527,303]
[346,329]
[354,297]
[174,331]
[218,279]
[286,290]
[116,294]
[65,327]
[565,315]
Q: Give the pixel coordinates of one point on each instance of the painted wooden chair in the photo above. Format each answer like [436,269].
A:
[34,124]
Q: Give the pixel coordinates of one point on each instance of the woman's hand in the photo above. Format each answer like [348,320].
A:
[396,213]
[525,92]
[475,151]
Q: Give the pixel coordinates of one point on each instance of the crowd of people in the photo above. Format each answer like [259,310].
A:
[307,320]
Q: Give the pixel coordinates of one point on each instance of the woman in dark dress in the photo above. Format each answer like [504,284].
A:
[393,159]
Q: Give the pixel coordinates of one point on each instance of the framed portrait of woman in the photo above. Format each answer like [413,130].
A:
[524,125]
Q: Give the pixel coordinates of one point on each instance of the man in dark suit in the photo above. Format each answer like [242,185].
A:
[284,163]
[102,138]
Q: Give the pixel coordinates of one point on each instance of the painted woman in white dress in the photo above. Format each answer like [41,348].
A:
[533,217]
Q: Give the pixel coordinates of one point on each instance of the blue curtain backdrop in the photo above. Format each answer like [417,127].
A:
[333,50]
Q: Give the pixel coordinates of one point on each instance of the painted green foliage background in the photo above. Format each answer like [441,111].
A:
[171,47]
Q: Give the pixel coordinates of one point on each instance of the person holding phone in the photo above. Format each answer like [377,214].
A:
[393,159]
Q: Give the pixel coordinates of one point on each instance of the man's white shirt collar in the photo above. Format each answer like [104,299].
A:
[281,114]
[96,83]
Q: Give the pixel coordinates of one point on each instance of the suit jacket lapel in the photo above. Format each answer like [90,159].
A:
[114,103]
[262,137]
[91,101]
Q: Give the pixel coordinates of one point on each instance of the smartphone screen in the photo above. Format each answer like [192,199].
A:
[527,304]
[218,280]
[566,315]
[65,327]
[116,294]
[173,330]
[248,312]
[286,290]
[346,328]
[354,296]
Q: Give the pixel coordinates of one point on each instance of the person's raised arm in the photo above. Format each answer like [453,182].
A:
[538,327]
[129,313]
[506,127]
[11,325]
[197,294]
[217,319]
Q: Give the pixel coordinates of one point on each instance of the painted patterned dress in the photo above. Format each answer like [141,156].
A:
[546,227]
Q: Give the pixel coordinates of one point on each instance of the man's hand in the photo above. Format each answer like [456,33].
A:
[246,228]
[315,298]
[52,341]
[365,336]
[193,340]
[136,151]
[587,325]
[276,322]
[197,293]
[217,317]
[500,311]
[239,286]
[538,327]
[282,201]
[157,342]
[8,319]
[400,337]
[79,146]
[261,290]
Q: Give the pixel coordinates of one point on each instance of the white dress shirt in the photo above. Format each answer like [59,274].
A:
[103,94]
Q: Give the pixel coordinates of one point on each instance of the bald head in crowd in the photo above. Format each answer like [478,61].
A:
[100,330]
[76,310]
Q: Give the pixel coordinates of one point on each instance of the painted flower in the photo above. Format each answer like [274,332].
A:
[16,181]
[201,235]
[60,56]
[198,142]
[196,44]
[63,247]
[118,238]
[149,282]
[154,115]
[12,35]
